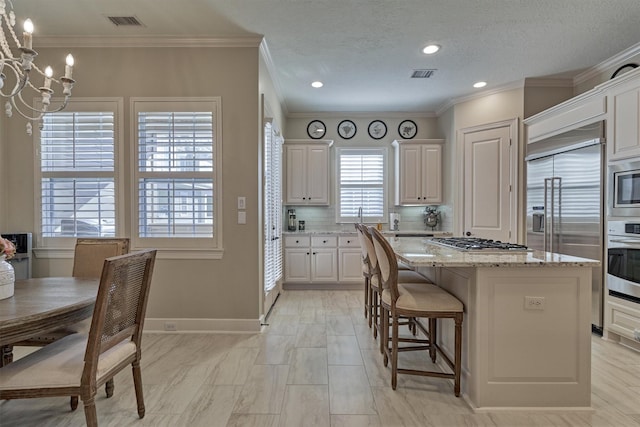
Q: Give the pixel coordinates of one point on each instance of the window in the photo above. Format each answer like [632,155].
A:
[78,159]
[272,206]
[361,184]
[177,171]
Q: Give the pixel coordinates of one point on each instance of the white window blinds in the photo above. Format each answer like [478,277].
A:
[77,174]
[361,184]
[272,207]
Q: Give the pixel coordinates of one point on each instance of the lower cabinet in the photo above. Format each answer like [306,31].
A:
[623,319]
[322,259]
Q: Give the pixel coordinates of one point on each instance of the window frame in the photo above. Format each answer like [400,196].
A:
[180,247]
[62,247]
[385,191]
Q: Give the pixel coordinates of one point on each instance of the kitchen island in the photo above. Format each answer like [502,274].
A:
[527,325]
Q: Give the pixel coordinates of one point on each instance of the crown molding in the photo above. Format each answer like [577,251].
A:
[363,115]
[156,41]
[615,61]
[272,70]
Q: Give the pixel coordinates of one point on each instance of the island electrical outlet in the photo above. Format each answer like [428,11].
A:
[534,303]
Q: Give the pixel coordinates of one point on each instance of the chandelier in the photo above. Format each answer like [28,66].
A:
[18,68]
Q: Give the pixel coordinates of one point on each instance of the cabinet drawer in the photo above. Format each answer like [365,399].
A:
[624,319]
[296,241]
[349,241]
[324,241]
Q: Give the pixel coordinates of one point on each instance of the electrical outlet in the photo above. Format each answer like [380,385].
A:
[170,326]
[242,202]
[534,303]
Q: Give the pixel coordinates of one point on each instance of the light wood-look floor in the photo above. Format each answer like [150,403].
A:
[316,364]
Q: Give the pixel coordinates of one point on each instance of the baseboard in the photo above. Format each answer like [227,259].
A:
[202,325]
[344,286]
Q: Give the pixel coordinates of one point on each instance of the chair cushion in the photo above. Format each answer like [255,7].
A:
[420,297]
[59,364]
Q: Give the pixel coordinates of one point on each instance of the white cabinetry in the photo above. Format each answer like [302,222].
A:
[418,171]
[349,259]
[307,169]
[310,259]
[623,128]
[622,318]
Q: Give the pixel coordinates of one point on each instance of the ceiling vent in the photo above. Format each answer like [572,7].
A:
[422,74]
[130,21]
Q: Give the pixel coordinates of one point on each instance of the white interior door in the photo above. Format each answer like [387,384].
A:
[489,182]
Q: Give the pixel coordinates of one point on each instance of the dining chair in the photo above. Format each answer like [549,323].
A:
[79,363]
[415,301]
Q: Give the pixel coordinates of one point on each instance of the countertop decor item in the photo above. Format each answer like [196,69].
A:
[7,278]
[347,129]
[377,129]
[316,129]
[407,129]
[17,64]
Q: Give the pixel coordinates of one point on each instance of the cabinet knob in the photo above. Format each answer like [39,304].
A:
[324,241]
[307,253]
[314,253]
[297,241]
[348,241]
[304,198]
[419,198]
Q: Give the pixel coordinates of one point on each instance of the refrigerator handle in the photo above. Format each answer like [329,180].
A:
[555,192]
[547,220]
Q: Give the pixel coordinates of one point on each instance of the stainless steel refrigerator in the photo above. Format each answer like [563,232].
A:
[565,201]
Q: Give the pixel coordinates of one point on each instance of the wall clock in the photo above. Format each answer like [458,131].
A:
[377,129]
[347,129]
[407,129]
[316,129]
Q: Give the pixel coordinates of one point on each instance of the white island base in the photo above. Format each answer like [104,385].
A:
[519,352]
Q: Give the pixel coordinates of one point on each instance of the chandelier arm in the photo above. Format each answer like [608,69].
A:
[21,82]
[32,118]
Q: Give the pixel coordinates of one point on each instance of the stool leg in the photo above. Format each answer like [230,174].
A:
[433,338]
[394,350]
[366,298]
[458,354]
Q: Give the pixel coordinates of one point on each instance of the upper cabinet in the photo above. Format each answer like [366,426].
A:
[418,171]
[307,172]
[623,128]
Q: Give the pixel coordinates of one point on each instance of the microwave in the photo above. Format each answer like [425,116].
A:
[624,189]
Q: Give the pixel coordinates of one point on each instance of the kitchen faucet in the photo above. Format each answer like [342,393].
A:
[360,214]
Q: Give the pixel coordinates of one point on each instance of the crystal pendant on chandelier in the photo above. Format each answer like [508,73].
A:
[16,71]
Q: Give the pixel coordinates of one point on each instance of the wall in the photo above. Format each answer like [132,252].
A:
[323,218]
[206,289]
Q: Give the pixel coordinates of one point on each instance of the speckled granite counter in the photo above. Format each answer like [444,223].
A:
[420,252]
[352,230]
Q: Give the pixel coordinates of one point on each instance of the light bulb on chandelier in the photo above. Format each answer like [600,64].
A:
[17,70]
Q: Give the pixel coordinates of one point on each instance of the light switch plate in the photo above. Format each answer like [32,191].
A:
[242,202]
[242,217]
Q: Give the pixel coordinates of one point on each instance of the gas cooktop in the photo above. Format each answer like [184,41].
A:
[477,244]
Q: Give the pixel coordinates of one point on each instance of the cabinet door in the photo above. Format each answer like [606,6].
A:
[350,265]
[410,175]
[317,175]
[296,157]
[324,265]
[296,265]
[431,174]
[623,135]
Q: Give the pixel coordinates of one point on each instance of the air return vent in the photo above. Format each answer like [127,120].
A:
[422,74]
[130,21]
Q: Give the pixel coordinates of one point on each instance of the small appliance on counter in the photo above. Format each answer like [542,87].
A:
[301,225]
[394,221]
[431,217]
[291,220]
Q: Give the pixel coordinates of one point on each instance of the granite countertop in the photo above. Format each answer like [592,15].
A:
[345,232]
[420,252]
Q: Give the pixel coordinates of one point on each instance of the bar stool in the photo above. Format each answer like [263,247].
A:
[415,301]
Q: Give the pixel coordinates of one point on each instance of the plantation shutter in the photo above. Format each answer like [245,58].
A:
[361,184]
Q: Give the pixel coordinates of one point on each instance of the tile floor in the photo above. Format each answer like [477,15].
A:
[316,364]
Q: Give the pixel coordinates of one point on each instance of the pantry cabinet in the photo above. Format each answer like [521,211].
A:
[623,127]
[418,171]
[307,168]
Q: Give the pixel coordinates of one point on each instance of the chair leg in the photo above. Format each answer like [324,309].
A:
[376,315]
[394,351]
[370,305]
[73,402]
[384,336]
[433,338]
[458,355]
[137,383]
[108,388]
[90,415]
[366,299]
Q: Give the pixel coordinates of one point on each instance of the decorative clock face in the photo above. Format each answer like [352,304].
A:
[316,129]
[377,129]
[407,129]
[347,129]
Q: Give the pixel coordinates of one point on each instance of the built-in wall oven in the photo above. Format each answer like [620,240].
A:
[624,189]
[623,278]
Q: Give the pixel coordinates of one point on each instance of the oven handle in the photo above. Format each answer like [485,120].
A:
[627,241]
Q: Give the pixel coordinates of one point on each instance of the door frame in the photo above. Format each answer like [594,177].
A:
[514,172]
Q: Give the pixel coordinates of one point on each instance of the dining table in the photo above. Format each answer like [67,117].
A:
[41,305]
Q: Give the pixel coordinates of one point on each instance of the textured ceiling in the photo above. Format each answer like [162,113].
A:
[365,50]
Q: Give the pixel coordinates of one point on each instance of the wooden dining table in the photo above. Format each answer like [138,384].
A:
[44,304]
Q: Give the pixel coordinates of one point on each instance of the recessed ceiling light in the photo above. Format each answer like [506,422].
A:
[317,84]
[479,84]
[431,49]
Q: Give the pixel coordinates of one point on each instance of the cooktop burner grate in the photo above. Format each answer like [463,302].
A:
[477,244]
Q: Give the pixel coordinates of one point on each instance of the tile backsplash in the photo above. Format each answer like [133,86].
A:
[318,218]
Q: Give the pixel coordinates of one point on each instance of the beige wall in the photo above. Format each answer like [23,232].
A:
[217,289]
